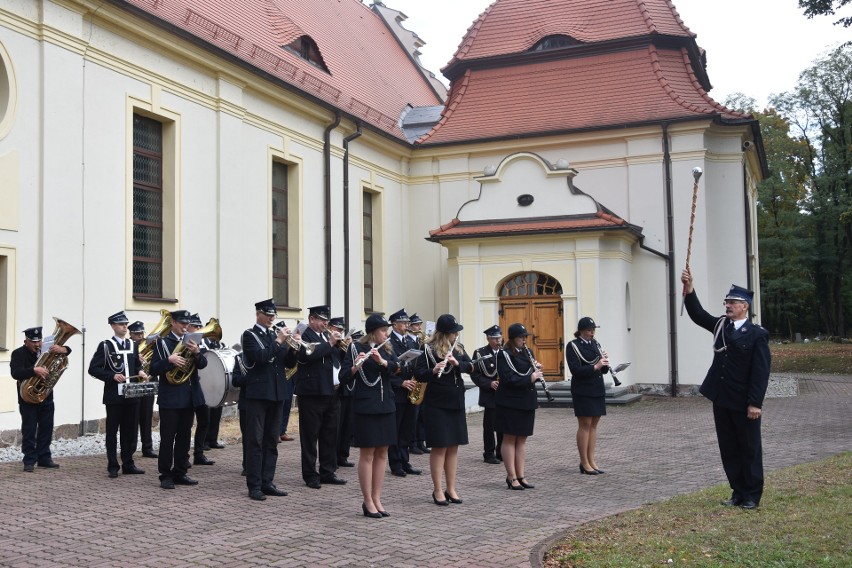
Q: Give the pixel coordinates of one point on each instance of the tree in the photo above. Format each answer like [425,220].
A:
[825,7]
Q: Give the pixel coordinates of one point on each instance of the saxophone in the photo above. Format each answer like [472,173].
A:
[180,375]
[35,389]
[417,394]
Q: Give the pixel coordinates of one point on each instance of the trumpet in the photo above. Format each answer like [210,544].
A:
[536,367]
[295,344]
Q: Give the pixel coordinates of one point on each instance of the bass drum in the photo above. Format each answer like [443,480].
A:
[216,379]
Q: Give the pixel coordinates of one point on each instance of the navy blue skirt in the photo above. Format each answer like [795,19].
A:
[374,430]
[514,421]
[444,427]
[589,405]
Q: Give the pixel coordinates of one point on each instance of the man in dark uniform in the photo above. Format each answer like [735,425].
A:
[202,411]
[318,405]
[176,401]
[116,360]
[406,413]
[264,354]
[416,337]
[36,419]
[736,383]
[146,403]
[344,394]
[484,376]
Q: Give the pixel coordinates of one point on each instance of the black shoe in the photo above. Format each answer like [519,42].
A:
[398,473]
[257,495]
[132,470]
[411,471]
[345,463]
[748,504]
[150,455]
[206,447]
[415,450]
[28,467]
[492,459]
[376,515]
[49,464]
[113,474]
[215,446]
[443,503]
[185,480]
[187,465]
[424,449]
[512,486]
[272,490]
[384,513]
[451,499]
[243,472]
[201,459]
[313,484]
[599,470]
[524,484]
[583,470]
[333,480]
[732,502]
[167,484]
[500,458]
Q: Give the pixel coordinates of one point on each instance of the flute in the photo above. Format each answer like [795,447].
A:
[540,379]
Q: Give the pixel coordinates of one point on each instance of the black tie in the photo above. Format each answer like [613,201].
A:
[730,327]
[125,344]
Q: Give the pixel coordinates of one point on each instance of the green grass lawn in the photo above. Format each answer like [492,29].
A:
[820,357]
[804,520]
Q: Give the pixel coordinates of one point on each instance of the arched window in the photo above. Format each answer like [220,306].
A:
[307,49]
[8,92]
[555,42]
[530,284]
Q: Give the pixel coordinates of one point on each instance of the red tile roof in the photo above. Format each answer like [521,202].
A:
[372,77]
[456,229]
[514,26]
[597,91]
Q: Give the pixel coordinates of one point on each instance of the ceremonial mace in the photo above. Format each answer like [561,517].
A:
[696,174]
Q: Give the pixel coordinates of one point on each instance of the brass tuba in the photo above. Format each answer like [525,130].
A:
[180,375]
[35,389]
[146,352]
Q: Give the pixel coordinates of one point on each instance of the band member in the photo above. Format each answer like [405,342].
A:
[264,353]
[318,405]
[516,403]
[368,367]
[416,336]
[406,413]
[344,394]
[176,401]
[146,403]
[587,365]
[114,362]
[484,375]
[202,411]
[289,389]
[736,383]
[441,366]
[36,419]
[212,438]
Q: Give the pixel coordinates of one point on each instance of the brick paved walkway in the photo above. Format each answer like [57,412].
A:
[652,450]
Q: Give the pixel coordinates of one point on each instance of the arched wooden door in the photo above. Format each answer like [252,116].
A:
[535,300]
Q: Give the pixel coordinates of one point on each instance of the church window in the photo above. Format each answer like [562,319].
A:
[147,207]
[531,284]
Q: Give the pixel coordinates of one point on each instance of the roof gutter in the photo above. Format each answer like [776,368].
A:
[326,178]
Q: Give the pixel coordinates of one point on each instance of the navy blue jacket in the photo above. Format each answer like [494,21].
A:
[481,379]
[315,376]
[447,389]
[264,360]
[21,365]
[516,390]
[107,362]
[404,372]
[739,374]
[585,379]
[185,395]
[378,399]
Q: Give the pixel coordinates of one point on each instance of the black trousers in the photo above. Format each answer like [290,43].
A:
[36,431]
[406,423]
[420,430]
[175,435]
[318,435]
[125,417]
[289,386]
[146,416]
[260,441]
[213,427]
[202,422]
[491,448]
[742,453]
[346,428]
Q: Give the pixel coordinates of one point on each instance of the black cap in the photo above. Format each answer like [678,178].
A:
[399,316]
[337,322]
[357,334]
[266,306]
[182,316]
[415,319]
[196,320]
[374,322]
[447,324]
[120,317]
[322,312]
[740,293]
[517,330]
[494,331]
[33,333]
[586,323]
[136,327]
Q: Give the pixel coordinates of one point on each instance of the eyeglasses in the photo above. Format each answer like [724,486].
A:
[726,302]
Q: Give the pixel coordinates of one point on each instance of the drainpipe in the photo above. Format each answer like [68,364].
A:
[346,142]
[667,172]
[748,230]
[326,163]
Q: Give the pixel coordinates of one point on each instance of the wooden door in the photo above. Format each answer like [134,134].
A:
[542,317]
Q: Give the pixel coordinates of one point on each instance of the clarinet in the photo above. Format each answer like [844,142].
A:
[615,380]
[540,380]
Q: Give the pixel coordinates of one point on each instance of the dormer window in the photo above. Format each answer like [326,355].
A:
[555,42]
[307,49]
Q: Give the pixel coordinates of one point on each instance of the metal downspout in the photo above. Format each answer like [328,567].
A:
[667,172]
[346,142]
[326,164]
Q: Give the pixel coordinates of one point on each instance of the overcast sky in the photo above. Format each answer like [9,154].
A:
[757,47]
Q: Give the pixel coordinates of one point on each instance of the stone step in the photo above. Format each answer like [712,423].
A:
[561,393]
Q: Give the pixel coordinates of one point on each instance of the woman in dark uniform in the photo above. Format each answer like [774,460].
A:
[516,403]
[368,367]
[587,365]
[440,367]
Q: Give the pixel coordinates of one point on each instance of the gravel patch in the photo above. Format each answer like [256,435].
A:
[89,445]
